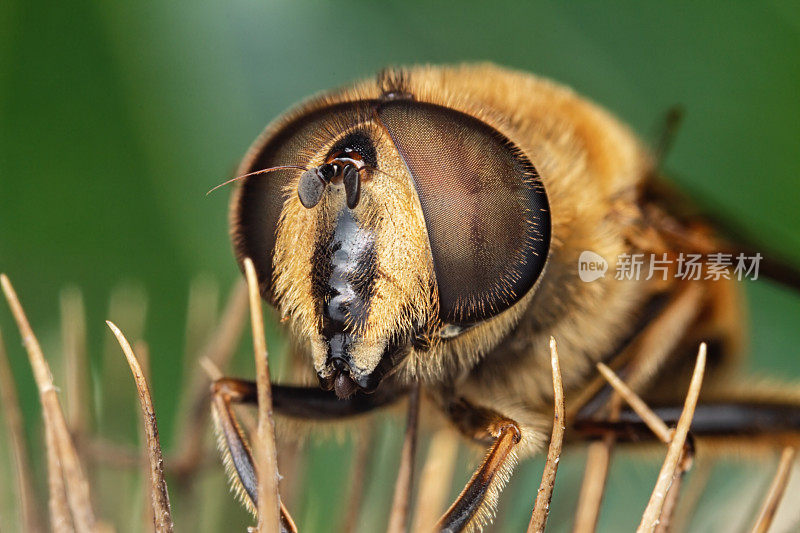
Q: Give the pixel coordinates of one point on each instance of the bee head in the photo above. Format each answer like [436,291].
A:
[389,223]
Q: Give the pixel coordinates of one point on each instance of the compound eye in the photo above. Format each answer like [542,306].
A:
[259,200]
[485,208]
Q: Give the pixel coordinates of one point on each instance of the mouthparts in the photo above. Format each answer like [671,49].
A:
[344,386]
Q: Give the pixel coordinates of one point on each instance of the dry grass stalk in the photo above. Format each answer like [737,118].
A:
[665,521]
[218,350]
[595,477]
[365,436]
[160,495]
[77,487]
[590,499]
[656,425]
[265,454]
[60,516]
[401,502]
[690,498]
[664,434]
[148,515]
[775,493]
[201,315]
[436,479]
[652,512]
[73,338]
[28,506]
[541,507]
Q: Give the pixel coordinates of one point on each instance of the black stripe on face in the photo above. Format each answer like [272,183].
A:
[343,278]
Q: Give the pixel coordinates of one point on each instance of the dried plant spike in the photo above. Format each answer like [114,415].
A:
[265,454]
[691,495]
[201,313]
[652,512]
[73,338]
[541,507]
[29,517]
[211,370]
[656,425]
[142,351]
[159,493]
[77,487]
[217,351]
[665,521]
[598,459]
[401,502]
[436,479]
[365,437]
[60,517]
[775,493]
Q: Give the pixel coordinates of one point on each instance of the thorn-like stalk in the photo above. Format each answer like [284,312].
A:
[160,496]
[669,469]
[401,502]
[656,425]
[76,485]
[28,506]
[217,352]
[690,499]
[541,506]
[265,454]
[590,499]
[73,339]
[148,514]
[358,473]
[775,493]
[60,516]
[201,315]
[436,479]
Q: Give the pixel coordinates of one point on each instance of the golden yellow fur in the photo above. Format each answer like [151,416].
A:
[590,165]
[593,170]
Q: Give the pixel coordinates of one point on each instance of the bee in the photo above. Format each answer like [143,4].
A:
[426,227]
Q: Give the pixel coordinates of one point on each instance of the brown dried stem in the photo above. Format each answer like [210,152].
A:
[436,479]
[73,339]
[265,454]
[665,521]
[696,486]
[358,473]
[656,425]
[77,487]
[217,351]
[28,506]
[160,495]
[541,507]
[660,429]
[775,493]
[598,459]
[148,513]
[669,469]
[401,502]
[60,517]
[201,315]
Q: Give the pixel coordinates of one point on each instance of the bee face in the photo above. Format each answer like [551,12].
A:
[403,221]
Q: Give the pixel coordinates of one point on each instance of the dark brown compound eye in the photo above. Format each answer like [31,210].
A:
[257,205]
[485,209]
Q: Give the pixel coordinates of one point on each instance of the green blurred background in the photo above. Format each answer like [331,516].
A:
[117,117]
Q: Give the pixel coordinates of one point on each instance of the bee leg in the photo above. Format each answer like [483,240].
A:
[475,505]
[292,401]
[234,445]
[735,421]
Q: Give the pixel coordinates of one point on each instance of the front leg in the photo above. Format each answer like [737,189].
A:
[297,402]
[476,503]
